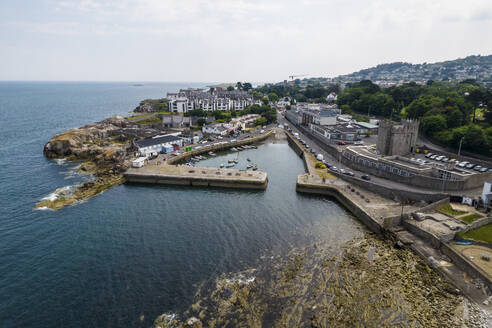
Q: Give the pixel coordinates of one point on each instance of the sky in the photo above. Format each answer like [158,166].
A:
[231,40]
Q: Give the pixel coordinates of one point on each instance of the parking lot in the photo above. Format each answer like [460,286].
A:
[442,160]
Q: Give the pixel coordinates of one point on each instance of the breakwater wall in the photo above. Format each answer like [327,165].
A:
[183,175]
[337,192]
[218,147]
[299,150]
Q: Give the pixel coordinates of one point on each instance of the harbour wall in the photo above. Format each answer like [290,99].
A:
[335,192]
[218,147]
[223,180]
[299,150]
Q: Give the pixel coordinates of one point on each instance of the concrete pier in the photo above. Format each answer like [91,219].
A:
[197,176]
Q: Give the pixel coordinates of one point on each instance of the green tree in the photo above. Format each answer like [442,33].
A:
[247,86]
[261,121]
[273,97]
[433,124]
[230,88]
[454,118]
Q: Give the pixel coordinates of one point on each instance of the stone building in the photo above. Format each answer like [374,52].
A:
[397,139]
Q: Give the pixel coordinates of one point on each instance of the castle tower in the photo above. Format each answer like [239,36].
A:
[397,139]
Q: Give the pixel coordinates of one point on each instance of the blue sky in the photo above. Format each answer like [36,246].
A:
[231,40]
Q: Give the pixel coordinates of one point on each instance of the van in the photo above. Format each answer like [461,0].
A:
[139,162]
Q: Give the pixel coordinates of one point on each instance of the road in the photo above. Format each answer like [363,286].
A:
[337,162]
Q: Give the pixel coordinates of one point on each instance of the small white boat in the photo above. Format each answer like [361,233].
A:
[221,165]
[233,149]
[230,165]
[211,153]
[248,159]
[249,166]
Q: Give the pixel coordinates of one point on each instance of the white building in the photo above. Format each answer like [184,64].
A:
[189,99]
[156,144]
[217,129]
[245,120]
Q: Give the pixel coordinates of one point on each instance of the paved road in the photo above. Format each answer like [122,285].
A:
[336,161]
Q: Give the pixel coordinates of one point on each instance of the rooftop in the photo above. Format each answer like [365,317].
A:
[367,125]
[156,141]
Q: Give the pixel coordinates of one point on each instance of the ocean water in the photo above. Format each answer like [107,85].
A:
[135,251]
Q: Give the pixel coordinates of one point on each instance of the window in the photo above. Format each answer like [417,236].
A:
[404,173]
[381,166]
[395,170]
[388,168]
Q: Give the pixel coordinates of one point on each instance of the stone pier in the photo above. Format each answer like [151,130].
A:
[197,176]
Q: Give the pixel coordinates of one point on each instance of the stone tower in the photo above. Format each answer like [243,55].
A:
[398,139]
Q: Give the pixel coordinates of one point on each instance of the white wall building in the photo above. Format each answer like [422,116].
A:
[190,99]
[155,144]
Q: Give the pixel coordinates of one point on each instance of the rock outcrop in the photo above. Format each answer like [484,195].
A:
[104,148]
[152,106]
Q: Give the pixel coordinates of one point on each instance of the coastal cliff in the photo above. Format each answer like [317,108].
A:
[103,149]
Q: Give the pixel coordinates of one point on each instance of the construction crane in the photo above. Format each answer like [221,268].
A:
[291,77]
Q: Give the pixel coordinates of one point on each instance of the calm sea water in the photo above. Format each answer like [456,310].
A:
[134,250]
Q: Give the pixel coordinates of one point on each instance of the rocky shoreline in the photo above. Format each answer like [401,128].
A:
[104,150]
[365,283]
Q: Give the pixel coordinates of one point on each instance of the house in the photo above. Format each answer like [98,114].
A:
[245,121]
[216,128]
[191,137]
[158,143]
[332,97]
[176,121]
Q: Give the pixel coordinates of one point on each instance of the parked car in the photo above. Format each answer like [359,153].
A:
[328,165]
[334,169]
[484,169]
[463,164]
[358,143]
[470,166]
[366,177]
[477,168]
[343,171]
[342,143]
[429,155]
[445,159]
[433,157]
[438,158]
[350,173]
[489,170]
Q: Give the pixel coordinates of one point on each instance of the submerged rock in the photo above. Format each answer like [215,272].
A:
[367,283]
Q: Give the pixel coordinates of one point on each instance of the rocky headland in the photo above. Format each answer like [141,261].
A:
[104,151]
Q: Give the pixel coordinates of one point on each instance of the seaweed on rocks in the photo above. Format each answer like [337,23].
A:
[365,283]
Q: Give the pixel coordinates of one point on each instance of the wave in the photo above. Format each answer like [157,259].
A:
[60,192]
[60,161]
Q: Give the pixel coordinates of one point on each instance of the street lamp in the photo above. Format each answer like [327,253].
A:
[459,149]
